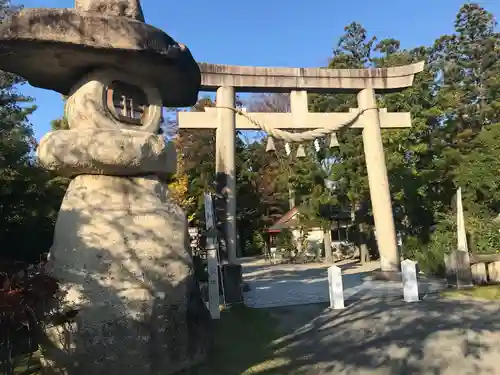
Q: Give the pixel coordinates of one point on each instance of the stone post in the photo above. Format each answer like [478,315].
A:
[378,182]
[458,269]
[226,151]
[494,272]
[335,287]
[450,265]
[479,273]
[463,270]
[410,282]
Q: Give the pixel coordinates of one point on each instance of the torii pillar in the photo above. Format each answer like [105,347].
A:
[378,182]
[225,165]
[298,81]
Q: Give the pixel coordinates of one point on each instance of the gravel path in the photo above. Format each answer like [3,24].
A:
[288,285]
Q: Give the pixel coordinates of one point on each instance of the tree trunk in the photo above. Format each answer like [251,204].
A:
[364,254]
[327,241]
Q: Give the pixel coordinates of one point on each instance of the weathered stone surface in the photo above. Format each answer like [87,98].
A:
[115,152]
[464,273]
[125,8]
[121,253]
[450,264]
[479,273]
[66,25]
[280,79]
[494,272]
[67,43]
[410,280]
[85,107]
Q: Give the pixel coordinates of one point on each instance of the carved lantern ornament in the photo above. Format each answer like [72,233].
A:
[109,99]
[127,103]
[54,48]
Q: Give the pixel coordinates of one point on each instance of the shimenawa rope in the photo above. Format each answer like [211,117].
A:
[307,135]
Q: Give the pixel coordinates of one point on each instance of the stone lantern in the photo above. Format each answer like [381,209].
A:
[121,249]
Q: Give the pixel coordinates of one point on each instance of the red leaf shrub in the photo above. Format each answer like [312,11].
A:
[27,297]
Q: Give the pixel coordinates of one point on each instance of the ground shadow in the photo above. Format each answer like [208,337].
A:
[388,336]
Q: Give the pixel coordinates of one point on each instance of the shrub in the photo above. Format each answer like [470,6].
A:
[27,298]
[255,244]
[483,237]
[483,234]
[430,254]
[285,243]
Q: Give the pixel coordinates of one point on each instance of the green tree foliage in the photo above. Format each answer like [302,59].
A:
[198,153]
[464,101]
[478,173]
[60,123]
[451,102]
[29,197]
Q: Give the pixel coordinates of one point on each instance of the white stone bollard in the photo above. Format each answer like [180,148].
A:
[410,283]
[335,287]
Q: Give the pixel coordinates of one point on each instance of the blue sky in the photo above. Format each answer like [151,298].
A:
[274,32]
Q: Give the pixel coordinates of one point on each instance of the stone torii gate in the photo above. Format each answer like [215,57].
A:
[227,79]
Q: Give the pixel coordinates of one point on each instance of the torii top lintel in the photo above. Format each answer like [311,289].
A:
[276,79]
